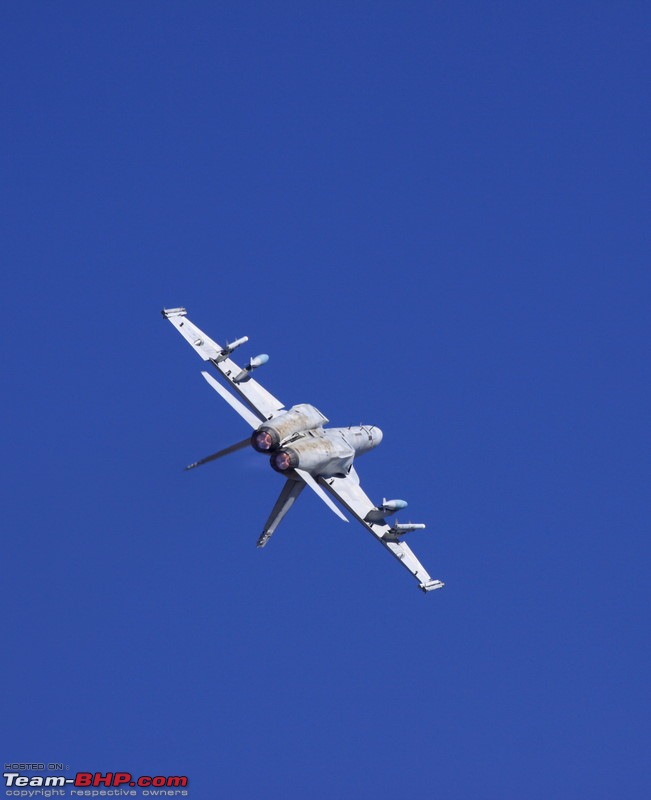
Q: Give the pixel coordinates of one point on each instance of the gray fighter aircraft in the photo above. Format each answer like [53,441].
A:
[301,448]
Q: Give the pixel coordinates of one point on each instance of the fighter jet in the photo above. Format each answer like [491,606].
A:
[301,448]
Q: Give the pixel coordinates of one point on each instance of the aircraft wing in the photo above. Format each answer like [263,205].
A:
[351,495]
[262,402]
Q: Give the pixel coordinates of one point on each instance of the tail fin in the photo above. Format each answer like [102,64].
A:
[288,495]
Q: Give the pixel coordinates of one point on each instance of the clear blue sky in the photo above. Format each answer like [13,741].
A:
[435,218]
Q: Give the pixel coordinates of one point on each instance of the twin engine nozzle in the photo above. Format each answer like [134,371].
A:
[265,439]
[284,460]
[269,436]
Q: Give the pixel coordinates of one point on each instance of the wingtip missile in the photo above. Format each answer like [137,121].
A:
[173,312]
[431,585]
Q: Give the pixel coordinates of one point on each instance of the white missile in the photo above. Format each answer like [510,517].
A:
[399,529]
[225,353]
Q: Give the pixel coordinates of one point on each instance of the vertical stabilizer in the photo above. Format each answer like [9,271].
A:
[290,492]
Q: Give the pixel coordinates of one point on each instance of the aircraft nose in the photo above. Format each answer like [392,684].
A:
[377,435]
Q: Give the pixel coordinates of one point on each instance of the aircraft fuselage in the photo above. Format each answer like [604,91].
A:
[326,453]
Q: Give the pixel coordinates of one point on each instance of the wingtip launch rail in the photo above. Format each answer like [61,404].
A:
[301,447]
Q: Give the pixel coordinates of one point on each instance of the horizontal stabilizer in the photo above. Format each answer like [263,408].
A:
[225,452]
[233,402]
[319,491]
